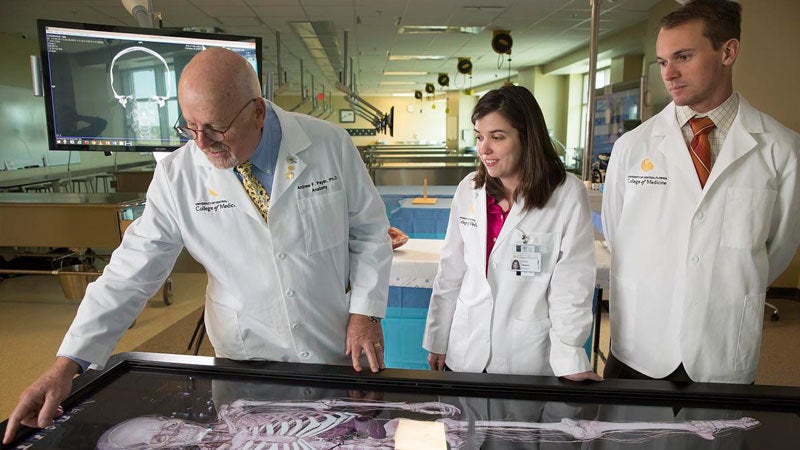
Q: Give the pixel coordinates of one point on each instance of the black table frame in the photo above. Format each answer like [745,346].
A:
[634,392]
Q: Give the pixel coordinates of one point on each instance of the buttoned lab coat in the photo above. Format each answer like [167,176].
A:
[275,290]
[690,267]
[506,323]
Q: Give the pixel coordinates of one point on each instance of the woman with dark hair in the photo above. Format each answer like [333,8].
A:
[519,205]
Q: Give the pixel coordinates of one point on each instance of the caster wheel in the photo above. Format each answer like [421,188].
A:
[167,292]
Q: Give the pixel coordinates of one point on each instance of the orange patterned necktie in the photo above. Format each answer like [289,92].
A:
[253,187]
[700,147]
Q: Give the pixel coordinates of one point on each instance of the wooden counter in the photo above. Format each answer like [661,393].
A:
[134,180]
[64,220]
[17,184]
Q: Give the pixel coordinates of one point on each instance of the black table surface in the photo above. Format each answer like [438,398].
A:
[225,397]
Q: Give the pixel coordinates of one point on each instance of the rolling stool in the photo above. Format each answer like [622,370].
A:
[104,180]
[79,184]
[774,315]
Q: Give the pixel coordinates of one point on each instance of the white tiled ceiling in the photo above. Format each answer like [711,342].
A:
[542,30]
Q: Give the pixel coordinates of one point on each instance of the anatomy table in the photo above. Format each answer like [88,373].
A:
[146,400]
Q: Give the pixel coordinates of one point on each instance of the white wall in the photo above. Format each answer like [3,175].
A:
[15,79]
[424,124]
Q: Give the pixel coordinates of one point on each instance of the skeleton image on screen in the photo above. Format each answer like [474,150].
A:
[142,118]
[352,424]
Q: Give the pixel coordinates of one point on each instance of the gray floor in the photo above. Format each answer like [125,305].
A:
[35,316]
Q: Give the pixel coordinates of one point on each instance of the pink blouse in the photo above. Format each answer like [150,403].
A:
[495,217]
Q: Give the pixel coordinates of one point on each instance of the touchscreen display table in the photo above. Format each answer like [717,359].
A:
[146,400]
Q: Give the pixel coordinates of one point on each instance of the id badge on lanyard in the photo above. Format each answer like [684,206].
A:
[526,259]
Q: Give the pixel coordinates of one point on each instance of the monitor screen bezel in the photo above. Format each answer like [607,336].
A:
[43,24]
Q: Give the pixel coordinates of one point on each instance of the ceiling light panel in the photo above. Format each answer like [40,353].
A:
[438,29]
[396,73]
[417,58]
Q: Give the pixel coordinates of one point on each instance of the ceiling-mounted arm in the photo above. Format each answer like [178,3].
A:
[313,97]
[303,93]
[324,108]
[352,77]
[141,10]
[280,89]
[354,96]
[374,120]
[366,113]
[282,83]
[360,106]
[362,114]
[268,91]
[382,122]
[328,106]
[278,58]
[345,76]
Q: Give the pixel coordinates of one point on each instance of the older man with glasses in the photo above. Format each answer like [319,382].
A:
[280,211]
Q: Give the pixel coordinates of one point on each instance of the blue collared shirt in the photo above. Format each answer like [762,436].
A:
[265,157]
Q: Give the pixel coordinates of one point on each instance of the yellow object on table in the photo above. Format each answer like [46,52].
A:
[424,200]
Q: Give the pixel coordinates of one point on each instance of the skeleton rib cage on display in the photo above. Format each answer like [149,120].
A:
[349,425]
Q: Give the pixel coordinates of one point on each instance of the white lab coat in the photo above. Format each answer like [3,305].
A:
[502,322]
[275,290]
[690,267]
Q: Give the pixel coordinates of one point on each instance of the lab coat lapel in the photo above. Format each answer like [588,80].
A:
[513,219]
[290,164]
[739,141]
[675,151]
[478,212]
[223,184]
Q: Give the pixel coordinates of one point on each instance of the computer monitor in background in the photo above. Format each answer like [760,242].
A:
[110,88]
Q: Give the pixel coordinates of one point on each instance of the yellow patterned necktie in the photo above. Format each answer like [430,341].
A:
[253,187]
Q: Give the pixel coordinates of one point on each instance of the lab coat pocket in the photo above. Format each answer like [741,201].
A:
[530,348]
[222,326]
[749,342]
[323,217]
[748,214]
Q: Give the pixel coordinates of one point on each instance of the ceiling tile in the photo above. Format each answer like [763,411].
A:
[543,30]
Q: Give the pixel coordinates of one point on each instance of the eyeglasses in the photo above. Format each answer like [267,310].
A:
[210,133]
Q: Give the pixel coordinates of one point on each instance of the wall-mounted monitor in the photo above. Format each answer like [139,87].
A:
[110,88]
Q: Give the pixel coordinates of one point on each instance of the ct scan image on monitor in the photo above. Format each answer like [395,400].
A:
[115,88]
